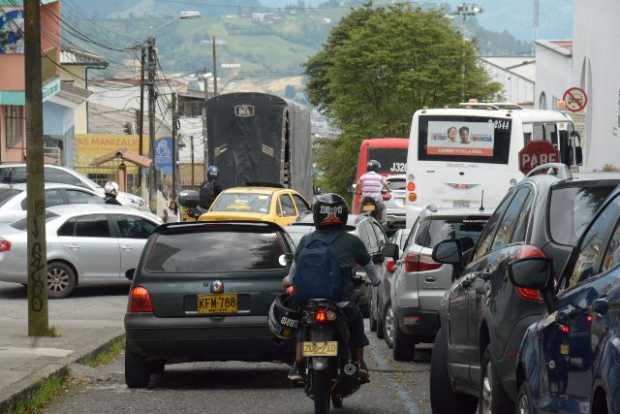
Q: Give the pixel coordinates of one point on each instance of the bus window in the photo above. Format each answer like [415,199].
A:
[392,160]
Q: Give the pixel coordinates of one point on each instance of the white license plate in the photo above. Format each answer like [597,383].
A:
[460,204]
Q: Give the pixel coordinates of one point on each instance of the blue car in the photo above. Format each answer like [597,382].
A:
[569,362]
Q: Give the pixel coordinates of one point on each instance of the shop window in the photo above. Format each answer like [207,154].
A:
[14,126]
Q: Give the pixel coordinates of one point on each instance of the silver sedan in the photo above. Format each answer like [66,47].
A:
[86,244]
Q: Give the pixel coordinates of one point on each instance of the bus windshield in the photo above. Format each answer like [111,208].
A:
[393,160]
[464,139]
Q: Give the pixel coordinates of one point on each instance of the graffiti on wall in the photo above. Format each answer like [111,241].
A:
[11,31]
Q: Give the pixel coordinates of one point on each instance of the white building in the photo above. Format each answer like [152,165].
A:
[591,64]
[516,74]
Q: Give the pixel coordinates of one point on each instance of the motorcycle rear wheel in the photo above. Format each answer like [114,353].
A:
[337,401]
[321,384]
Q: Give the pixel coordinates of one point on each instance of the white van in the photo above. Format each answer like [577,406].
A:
[468,157]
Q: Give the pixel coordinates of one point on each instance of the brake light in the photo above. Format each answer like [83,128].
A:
[5,245]
[290,290]
[390,265]
[411,187]
[415,262]
[140,301]
[565,329]
[530,295]
[321,316]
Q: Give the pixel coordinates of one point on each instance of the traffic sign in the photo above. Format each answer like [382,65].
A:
[537,153]
[575,99]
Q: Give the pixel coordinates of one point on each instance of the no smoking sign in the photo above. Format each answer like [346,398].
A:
[576,99]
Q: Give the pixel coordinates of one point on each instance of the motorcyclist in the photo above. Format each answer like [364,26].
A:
[372,185]
[330,214]
[111,191]
[210,188]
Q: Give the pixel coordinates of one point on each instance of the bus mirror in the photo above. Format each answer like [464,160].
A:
[578,156]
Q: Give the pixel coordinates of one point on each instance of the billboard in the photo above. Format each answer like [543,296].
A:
[459,138]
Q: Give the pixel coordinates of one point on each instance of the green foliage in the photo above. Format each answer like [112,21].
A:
[381,65]
[41,396]
[106,355]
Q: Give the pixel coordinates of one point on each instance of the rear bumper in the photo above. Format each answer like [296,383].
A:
[240,338]
[423,325]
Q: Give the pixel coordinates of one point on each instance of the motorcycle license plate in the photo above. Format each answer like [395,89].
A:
[217,304]
[368,208]
[320,349]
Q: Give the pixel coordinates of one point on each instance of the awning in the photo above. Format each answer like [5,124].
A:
[18,98]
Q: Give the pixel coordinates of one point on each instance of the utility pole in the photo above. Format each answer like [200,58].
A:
[141,114]
[192,155]
[466,10]
[175,155]
[205,140]
[151,82]
[38,319]
[214,68]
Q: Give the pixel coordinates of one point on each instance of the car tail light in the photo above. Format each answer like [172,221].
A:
[415,262]
[411,187]
[140,301]
[390,265]
[530,295]
[413,197]
[5,245]
[387,196]
[565,329]
[290,290]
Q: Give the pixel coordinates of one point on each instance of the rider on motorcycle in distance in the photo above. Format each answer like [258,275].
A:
[330,213]
[372,184]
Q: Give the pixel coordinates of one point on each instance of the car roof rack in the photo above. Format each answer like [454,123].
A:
[557,169]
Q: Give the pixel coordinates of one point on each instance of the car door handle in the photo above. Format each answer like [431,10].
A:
[74,247]
[126,248]
[430,279]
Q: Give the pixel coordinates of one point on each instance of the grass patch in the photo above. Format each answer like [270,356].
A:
[41,396]
[106,355]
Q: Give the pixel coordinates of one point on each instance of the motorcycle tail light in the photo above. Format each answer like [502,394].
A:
[565,329]
[290,290]
[140,301]
[321,316]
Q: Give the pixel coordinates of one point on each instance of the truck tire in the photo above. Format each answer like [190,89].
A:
[444,400]
[493,398]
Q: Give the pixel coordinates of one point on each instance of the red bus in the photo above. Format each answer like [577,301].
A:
[390,152]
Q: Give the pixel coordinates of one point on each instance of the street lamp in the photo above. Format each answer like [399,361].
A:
[466,10]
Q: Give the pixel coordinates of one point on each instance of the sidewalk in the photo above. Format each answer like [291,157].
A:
[25,362]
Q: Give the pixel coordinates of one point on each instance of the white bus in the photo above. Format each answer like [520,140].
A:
[468,157]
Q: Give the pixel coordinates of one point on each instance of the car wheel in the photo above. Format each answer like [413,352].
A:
[404,345]
[444,400]
[524,401]
[61,280]
[137,373]
[372,318]
[492,397]
[388,326]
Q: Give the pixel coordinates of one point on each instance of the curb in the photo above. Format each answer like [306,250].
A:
[24,389]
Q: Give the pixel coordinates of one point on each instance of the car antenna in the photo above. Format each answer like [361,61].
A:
[482,201]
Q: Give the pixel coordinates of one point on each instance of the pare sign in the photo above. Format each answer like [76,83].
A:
[537,153]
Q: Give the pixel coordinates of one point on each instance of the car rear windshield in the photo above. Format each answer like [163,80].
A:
[392,160]
[23,223]
[242,203]
[438,229]
[6,194]
[215,251]
[572,208]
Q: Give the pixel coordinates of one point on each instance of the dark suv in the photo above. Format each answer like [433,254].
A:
[483,316]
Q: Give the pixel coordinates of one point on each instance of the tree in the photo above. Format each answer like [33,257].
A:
[381,65]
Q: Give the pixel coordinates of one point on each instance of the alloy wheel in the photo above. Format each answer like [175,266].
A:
[486,401]
[389,325]
[57,280]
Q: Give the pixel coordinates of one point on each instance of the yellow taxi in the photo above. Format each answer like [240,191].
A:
[282,206]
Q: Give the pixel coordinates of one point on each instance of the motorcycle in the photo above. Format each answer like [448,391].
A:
[329,372]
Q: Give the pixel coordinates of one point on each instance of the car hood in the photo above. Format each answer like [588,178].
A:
[131,200]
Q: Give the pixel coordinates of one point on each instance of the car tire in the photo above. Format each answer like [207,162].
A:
[404,345]
[61,280]
[444,400]
[137,372]
[492,396]
[524,404]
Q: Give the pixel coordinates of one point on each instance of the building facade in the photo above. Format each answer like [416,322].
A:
[517,76]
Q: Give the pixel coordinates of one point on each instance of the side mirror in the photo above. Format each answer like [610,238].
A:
[189,198]
[130,274]
[531,273]
[391,250]
[448,252]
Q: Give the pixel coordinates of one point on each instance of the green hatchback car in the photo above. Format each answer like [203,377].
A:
[202,292]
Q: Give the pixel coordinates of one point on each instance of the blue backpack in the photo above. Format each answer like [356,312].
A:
[317,271]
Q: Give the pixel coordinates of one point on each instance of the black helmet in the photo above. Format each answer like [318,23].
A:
[373,166]
[284,317]
[330,210]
